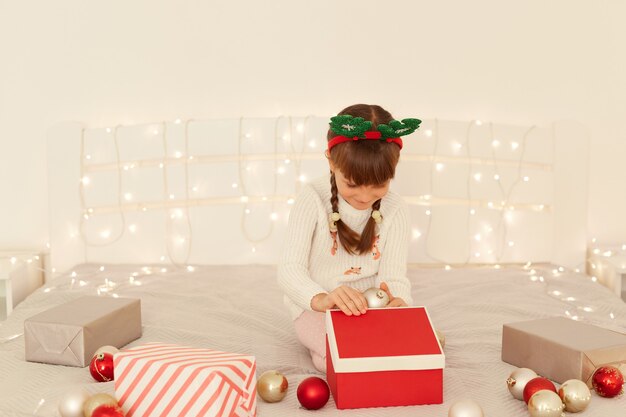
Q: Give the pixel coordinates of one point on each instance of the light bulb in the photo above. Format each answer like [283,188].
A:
[177,121]
[86,180]
[128,196]
[161,165]
[178,154]
[439,166]
[88,157]
[428,132]
[244,198]
[526,179]
[416,234]
[514,145]
[312,144]
[479,123]
[302,178]
[287,161]
[448,267]
[495,143]
[281,169]
[291,201]
[477,237]
[478,176]
[274,216]
[108,130]
[190,268]
[428,212]
[132,228]
[511,243]
[300,127]
[248,135]
[234,185]
[472,211]
[496,177]
[105,234]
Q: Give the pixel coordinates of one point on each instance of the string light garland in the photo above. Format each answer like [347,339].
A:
[177,206]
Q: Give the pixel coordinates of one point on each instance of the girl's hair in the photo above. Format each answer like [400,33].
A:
[363,162]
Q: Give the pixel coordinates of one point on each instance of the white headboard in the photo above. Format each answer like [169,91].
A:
[219,191]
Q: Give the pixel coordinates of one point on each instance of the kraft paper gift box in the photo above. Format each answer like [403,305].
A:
[70,334]
[171,380]
[385,357]
[559,348]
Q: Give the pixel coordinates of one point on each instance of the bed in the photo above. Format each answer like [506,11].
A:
[166,212]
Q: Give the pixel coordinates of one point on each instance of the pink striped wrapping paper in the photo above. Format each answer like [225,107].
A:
[160,380]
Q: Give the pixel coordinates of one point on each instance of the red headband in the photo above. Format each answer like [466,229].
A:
[368,135]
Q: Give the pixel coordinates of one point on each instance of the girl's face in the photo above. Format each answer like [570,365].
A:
[360,197]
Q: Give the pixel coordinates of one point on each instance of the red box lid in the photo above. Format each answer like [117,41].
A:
[383,339]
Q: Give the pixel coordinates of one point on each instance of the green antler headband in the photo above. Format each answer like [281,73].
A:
[350,128]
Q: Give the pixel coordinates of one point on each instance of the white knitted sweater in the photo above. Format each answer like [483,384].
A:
[309,267]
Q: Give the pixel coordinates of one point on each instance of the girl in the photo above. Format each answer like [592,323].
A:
[348,233]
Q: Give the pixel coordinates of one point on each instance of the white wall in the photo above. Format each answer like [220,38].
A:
[141,61]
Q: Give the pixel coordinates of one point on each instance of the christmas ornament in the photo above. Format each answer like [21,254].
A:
[608,381]
[272,386]
[313,393]
[107,349]
[71,404]
[465,408]
[518,380]
[545,403]
[96,401]
[376,298]
[107,411]
[535,385]
[101,367]
[575,395]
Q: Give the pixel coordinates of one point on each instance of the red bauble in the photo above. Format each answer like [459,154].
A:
[101,367]
[107,411]
[537,384]
[608,381]
[313,393]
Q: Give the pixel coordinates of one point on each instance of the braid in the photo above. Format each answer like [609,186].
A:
[369,232]
[350,240]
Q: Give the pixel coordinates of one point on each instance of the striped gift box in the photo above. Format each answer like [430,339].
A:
[175,381]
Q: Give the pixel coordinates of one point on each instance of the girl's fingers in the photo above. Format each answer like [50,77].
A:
[345,303]
[359,300]
[352,301]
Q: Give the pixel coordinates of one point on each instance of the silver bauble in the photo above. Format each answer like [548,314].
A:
[575,395]
[106,349]
[376,298]
[96,401]
[71,404]
[518,380]
[272,386]
[465,408]
[545,403]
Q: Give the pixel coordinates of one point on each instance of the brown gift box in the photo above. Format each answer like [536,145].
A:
[71,333]
[560,349]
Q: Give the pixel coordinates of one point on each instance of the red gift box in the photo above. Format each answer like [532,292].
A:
[386,357]
[174,381]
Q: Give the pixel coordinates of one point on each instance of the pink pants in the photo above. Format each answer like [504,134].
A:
[311,330]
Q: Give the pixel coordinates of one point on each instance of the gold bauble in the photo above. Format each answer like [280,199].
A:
[545,403]
[575,395]
[465,408]
[96,401]
[272,386]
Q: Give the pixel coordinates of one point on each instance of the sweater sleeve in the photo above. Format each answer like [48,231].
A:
[392,268]
[293,269]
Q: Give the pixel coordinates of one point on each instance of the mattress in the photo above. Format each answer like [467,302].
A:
[240,309]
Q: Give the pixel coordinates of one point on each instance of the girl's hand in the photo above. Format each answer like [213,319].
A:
[393,301]
[349,300]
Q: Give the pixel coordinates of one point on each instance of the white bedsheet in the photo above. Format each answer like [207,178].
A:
[240,309]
